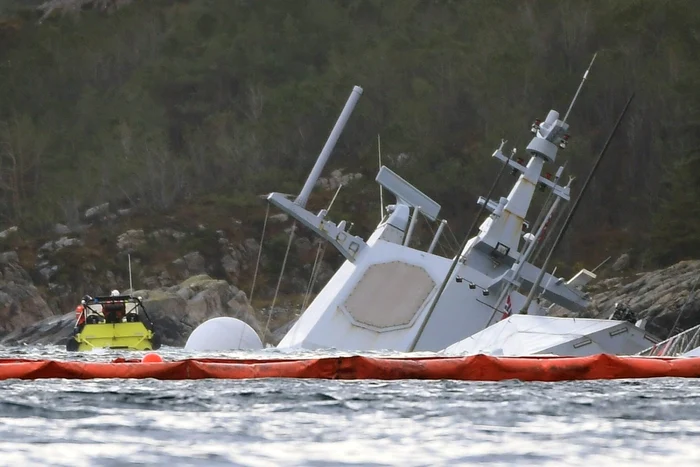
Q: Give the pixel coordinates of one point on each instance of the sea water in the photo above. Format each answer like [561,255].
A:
[271,422]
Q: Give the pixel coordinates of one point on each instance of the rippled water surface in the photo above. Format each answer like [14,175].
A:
[321,422]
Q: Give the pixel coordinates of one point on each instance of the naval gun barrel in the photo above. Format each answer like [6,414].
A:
[328,147]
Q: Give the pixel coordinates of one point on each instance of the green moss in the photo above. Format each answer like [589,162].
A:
[196,281]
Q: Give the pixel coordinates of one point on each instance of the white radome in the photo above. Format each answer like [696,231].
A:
[224,333]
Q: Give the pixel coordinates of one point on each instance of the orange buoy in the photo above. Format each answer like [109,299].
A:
[152,358]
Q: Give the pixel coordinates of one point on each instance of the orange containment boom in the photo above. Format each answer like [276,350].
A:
[472,368]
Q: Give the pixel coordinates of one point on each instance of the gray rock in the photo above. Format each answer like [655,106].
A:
[152,282]
[131,240]
[336,179]
[185,293]
[48,272]
[164,279]
[20,305]
[96,211]
[658,296]
[61,243]
[61,229]
[65,242]
[195,262]
[279,218]
[179,310]
[251,246]
[163,234]
[231,265]
[11,271]
[621,263]
[52,330]
[7,232]
[179,268]
[9,257]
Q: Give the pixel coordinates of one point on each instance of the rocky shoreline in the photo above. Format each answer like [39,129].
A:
[188,275]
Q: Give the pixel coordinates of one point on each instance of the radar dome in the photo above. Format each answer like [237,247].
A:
[224,333]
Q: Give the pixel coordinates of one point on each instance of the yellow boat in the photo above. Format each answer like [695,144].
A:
[114,322]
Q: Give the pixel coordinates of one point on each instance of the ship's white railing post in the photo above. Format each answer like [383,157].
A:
[328,147]
[412,225]
[433,244]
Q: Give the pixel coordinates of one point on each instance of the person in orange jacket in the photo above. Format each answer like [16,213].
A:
[80,315]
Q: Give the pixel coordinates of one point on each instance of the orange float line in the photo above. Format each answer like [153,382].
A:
[472,368]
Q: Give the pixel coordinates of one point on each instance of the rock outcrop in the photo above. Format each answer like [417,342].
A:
[667,298]
[21,304]
[53,330]
[176,311]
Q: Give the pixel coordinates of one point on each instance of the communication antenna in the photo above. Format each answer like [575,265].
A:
[585,75]
[131,283]
[381,191]
[567,221]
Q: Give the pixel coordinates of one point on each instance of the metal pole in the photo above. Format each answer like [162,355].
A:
[602,263]
[533,290]
[585,75]
[433,244]
[131,284]
[381,190]
[412,225]
[328,147]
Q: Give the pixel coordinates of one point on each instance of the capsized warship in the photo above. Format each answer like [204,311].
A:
[390,296]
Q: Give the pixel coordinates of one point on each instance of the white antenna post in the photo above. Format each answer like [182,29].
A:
[585,75]
[131,284]
[381,190]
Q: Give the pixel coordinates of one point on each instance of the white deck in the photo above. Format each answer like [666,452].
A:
[522,335]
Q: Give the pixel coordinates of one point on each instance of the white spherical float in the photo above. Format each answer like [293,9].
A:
[221,334]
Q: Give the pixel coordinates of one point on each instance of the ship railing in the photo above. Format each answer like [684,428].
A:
[676,345]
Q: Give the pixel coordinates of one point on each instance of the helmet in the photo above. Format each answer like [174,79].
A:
[115,293]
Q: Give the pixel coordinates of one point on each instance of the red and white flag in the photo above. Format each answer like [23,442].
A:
[508,308]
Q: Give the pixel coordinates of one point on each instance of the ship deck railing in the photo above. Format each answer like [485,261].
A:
[675,345]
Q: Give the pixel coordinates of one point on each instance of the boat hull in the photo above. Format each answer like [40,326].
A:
[126,336]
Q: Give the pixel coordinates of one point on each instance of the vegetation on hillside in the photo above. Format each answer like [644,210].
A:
[164,103]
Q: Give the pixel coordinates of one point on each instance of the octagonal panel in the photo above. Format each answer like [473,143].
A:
[388,296]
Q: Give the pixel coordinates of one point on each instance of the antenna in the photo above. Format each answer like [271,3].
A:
[330,205]
[585,75]
[381,190]
[328,147]
[131,284]
[567,221]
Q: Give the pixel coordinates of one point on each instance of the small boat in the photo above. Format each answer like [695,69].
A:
[113,322]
